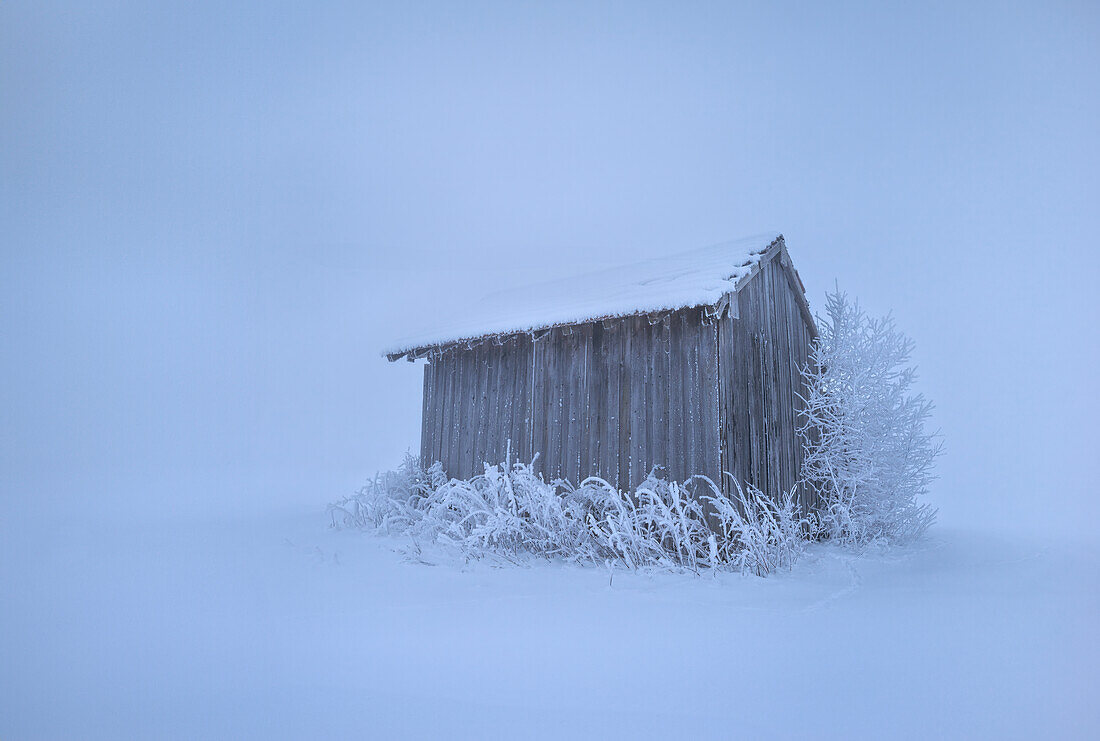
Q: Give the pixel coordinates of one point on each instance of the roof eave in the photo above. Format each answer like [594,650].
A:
[776,249]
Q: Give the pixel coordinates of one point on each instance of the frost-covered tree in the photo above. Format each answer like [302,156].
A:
[867,450]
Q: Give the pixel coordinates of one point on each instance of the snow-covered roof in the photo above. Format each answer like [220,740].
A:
[695,278]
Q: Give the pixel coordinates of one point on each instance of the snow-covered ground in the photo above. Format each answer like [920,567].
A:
[278,627]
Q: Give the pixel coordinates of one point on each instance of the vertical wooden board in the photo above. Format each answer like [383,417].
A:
[602,363]
[521,405]
[563,362]
[468,428]
[475,368]
[529,392]
[474,359]
[491,436]
[539,404]
[563,357]
[787,368]
[437,411]
[438,403]
[553,408]
[774,387]
[770,388]
[780,382]
[569,395]
[636,370]
[694,436]
[741,380]
[775,383]
[732,397]
[516,407]
[508,442]
[465,386]
[484,364]
[578,403]
[708,393]
[660,411]
[626,395]
[426,417]
[499,403]
[680,347]
[595,390]
[687,403]
[445,372]
[547,385]
[465,436]
[583,409]
[726,454]
[765,382]
[611,442]
[554,405]
[713,409]
[647,363]
[677,408]
[441,405]
[700,394]
[454,451]
[427,423]
[456,416]
[568,358]
[755,472]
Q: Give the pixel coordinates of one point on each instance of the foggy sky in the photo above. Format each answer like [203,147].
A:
[212,219]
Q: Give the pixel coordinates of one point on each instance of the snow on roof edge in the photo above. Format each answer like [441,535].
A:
[680,281]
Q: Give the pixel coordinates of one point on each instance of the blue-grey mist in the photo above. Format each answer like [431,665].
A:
[213,216]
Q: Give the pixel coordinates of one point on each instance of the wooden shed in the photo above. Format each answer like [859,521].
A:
[688,363]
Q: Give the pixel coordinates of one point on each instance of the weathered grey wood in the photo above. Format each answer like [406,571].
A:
[612,441]
[464,462]
[783,381]
[485,365]
[509,442]
[540,405]
[708,390]
[497,403]
[689,397]
[595,390]
[626,330]
[529,390]
[677,425]
[755,473]
[470,411]
[447,375]
[727,453]
[552,388]
[451,427]
[427,426]
[661,394]
[741,380]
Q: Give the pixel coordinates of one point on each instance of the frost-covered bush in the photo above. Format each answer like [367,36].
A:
[867,451]
[509,511]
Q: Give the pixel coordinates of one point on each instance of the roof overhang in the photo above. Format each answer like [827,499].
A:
[775,252]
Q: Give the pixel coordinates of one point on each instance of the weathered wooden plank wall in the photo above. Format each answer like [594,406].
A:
[613,399]
[620,397]
[761,352]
